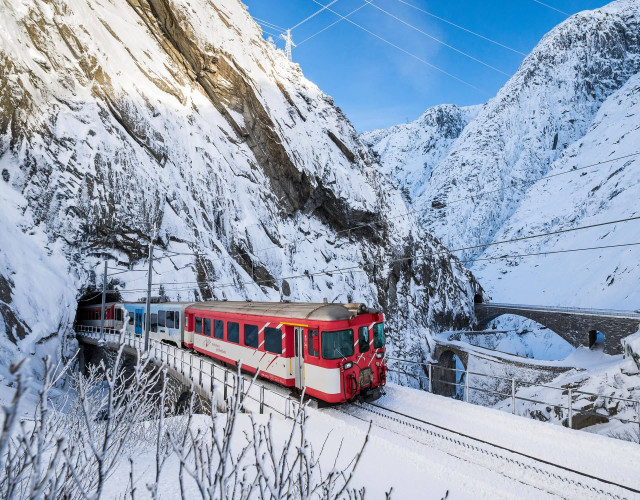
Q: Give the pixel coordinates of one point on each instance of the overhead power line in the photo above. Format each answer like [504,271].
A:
[333,23]
[411,212]
[262,21]
[324,7]
[462,28]
[479,61]
[551,252]
[483,193]
[552,8]
[418,58]
[359,268]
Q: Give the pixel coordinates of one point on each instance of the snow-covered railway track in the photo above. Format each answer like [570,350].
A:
[544,475]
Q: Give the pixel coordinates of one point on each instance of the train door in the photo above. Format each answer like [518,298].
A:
[138,321]
[298,351]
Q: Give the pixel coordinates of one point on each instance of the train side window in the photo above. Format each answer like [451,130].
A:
[198,325]
[176,318]
[251,336]
[233,332]
[162,316]
[118,314]
[207,327]
[313,335]
[218,329]
[170,322]
[154,322]
[131,316]
[273,340]
[363,339]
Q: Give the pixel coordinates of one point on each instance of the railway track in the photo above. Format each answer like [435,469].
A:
[546,476]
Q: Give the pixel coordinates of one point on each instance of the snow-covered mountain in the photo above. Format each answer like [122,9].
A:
[410,152]
[572,103]
[118,116]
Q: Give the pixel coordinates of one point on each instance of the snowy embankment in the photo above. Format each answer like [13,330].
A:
[407,460]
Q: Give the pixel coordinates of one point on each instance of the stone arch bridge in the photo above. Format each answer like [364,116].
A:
[577,326]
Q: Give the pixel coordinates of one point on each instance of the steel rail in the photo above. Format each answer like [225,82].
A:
[488,443]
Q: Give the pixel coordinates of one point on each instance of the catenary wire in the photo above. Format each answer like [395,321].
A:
[462,28]
[479,61]
[253,252]
[483,193]
[359,268]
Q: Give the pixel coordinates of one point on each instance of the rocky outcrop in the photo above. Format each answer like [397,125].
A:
[119,117]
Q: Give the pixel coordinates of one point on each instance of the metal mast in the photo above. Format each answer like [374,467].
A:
[288,44]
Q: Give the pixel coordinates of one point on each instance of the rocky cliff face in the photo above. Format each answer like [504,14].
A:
[119,116]
[545,120]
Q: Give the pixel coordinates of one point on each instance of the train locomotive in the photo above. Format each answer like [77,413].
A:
[334,352]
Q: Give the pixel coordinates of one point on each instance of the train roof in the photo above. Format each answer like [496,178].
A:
[292,310]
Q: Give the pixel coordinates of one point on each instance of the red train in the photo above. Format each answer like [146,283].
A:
[335,352]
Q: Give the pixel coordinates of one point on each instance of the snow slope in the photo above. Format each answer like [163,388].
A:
[606,191]
[120,116]
[409,153]
[572,103]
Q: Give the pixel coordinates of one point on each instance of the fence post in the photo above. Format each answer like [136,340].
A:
[513,396]
[191,366]
[466,385]
[182,363]
[430,383]
[200,374]
[570,396]
[212,379]
[261,399]
[286,408]
[226,373]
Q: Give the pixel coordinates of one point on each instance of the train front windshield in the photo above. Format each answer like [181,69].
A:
[337,345]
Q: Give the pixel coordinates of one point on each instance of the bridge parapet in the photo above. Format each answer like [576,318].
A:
[192,370]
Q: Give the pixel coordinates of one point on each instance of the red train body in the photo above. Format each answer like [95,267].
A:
[334,352]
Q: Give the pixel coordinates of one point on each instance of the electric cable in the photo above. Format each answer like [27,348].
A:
[370,2]
[418,58]
[463,28]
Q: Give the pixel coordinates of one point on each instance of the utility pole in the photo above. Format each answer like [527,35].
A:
[147,323]
[104,300]
[288,44]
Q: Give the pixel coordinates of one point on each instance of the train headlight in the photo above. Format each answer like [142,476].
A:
[348,365]
[379,355]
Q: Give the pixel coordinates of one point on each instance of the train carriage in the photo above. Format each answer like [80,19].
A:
[167,322]
[90,315]
[334,352]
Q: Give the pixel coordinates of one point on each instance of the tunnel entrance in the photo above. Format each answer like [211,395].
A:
[596,340]
[477,299]
[449,376]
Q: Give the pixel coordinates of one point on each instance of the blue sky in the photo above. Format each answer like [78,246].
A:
[377,85]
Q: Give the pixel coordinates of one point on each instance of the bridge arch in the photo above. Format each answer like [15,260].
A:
[446,379]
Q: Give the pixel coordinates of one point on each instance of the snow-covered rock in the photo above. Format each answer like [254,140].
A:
[408,153]
[118,116]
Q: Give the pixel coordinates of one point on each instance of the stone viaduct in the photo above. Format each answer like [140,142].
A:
[576,326]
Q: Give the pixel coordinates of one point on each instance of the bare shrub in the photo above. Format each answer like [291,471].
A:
[73,445]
